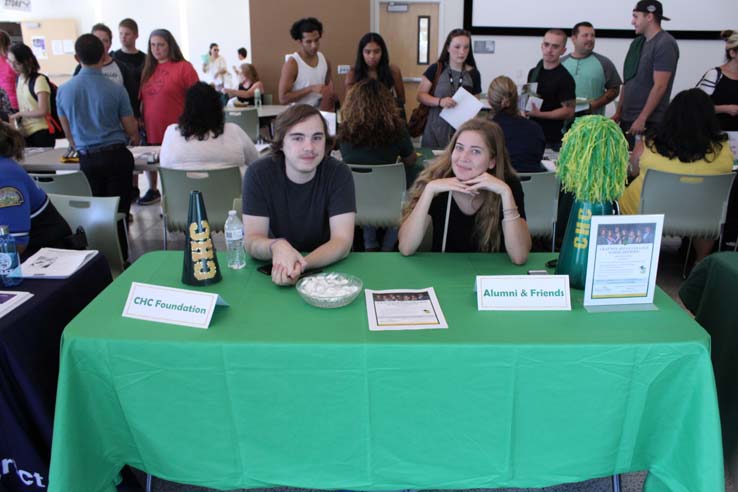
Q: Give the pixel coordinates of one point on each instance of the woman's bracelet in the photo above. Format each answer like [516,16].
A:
[510,219]
[511,209]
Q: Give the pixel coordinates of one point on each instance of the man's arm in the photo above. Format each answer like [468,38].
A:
[338,246]
[606,98]
[660,83]
[287,262]
[619,110]
[67,131]
[565,112]
[287,80]
[130,125]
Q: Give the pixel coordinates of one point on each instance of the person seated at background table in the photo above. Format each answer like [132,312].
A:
[471,195]
[721,84]
[298,199]
[248,84]
[24,207]
[372,61]
[202,139]
[372,132]
[687,141]
[524,138]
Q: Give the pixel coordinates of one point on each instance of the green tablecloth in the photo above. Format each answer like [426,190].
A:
[277,392]
[709,293]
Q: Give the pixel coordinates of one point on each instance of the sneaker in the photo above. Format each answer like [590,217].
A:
[151,197]
[135,194]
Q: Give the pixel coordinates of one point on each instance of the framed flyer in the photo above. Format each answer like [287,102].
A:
[622,261]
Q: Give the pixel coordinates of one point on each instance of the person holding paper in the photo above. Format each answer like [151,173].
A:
[687,141]
[454,69]
[471,195]
[555,86]
[24,207]
[298,199]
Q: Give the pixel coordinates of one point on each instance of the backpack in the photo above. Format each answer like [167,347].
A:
[52,119]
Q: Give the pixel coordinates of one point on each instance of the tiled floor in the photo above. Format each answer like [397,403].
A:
[146,234]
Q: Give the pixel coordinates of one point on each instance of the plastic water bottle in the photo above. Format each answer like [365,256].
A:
[10,271]
[257,98]
[234,241]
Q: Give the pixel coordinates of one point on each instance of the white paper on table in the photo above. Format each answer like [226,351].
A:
[533,100]
[467,107]
[10,300]
[404,309]
[55,263]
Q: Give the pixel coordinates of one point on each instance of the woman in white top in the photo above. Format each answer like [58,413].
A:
[202,140]
[215,67]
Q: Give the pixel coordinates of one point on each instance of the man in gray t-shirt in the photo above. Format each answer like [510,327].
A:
[298,199]
[646,93]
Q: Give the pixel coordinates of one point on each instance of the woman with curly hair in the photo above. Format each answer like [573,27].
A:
[471,195]
[687,141]
[202,139]
[372,132]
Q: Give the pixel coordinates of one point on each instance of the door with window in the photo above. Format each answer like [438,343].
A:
[411,33]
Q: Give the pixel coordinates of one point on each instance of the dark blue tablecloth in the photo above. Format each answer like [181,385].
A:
[29,365]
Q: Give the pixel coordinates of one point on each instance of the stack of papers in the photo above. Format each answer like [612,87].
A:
[10,300]
[55,263]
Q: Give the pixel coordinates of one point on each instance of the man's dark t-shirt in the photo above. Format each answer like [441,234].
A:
[131,67]
[298,212]
[555,86]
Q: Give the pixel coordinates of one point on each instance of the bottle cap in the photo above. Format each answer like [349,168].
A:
[4,230]
[232,212]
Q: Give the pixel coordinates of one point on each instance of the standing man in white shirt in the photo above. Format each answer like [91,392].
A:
[306,75]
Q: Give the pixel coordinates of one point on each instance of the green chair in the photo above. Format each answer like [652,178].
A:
[74,183]
[247,119]
[97,216]
[693,205]
[541,203]
[237,205]
[267,99]
[218,187]
[380,189]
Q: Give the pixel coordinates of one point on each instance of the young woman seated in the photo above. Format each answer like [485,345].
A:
[471,195]
[687,141]
[247,85]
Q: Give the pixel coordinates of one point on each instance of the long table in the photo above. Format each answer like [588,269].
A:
[38,159]
[29,361]
[278,392]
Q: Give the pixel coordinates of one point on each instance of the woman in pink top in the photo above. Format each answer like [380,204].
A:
[164,82]
[7,74]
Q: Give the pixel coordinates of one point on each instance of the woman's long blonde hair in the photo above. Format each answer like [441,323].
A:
[486,230]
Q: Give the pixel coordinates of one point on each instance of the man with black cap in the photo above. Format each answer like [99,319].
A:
[648,71]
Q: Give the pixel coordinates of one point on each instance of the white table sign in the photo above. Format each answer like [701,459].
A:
[622,260]
[523,293]
[169,305]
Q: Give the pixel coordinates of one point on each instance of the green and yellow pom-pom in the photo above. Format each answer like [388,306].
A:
[593,162]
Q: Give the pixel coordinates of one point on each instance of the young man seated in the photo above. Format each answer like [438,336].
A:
[298,199]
